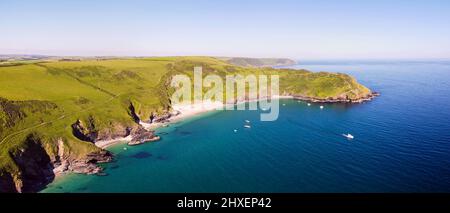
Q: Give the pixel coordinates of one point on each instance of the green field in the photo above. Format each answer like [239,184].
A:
[40,101]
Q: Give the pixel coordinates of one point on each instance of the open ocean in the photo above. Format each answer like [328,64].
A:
[402,143]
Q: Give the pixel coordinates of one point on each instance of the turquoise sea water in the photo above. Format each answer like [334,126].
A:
[402,143]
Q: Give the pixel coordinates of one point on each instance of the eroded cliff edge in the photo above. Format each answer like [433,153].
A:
[37,164]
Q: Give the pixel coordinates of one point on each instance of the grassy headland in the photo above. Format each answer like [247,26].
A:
[42,102]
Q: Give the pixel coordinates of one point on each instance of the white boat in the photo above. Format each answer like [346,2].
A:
[321,107]
[247,121]
[247,126]
[309,104]
[349,136]
[125,148]
[235,130]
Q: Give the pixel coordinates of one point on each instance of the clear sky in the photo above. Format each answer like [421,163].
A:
[299,29]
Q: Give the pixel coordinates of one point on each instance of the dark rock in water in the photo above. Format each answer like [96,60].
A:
[114,167]
[185,133]
[82,189]
[163,133]
[162,157]
[141,155]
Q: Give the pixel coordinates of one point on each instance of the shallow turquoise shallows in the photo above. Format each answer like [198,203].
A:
[402,143]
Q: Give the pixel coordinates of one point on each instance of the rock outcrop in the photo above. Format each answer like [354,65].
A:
[340,99]
[88,132]
[7,184]
[37,167]
[143,136]
[132,113]
[84,132]
[163,117]
[87,165]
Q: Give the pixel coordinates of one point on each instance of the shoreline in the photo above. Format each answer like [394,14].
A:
[106,143]
[190,110]
[185,111]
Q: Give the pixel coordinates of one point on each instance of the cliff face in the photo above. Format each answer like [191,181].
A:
[37,166]
[88,132]
[83,132]
[7,184]
[37,161]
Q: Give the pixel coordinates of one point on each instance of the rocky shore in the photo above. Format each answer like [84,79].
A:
[88,165]
[71,133]
[338,99]
[39,167]
[42,168]
[143,136]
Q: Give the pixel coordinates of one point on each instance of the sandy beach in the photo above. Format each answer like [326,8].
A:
[185,111]
[106,143]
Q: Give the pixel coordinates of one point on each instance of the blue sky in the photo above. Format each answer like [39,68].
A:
[298,29]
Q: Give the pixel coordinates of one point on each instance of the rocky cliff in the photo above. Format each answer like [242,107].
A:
[37,166]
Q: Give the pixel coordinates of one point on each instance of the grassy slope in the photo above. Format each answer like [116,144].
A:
[46,98]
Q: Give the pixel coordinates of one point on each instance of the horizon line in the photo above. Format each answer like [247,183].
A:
[222,56]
